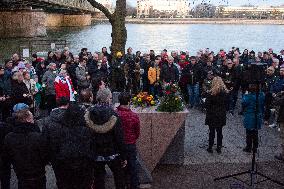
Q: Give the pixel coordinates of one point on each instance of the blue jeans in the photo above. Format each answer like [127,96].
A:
[193,93]
[132,171]
[152,90]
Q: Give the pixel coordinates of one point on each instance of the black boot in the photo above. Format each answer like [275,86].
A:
[209,149]
[247,149]
[218,149]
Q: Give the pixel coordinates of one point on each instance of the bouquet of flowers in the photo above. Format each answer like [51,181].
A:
[143,99]
[171,101]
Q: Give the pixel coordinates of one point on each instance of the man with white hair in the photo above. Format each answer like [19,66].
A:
[169,72]
[92,65]
[275,65]
[82,75]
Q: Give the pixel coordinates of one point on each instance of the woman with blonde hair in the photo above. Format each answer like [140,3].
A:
[216,104]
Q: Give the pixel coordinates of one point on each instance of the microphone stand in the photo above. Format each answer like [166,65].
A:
[253,172]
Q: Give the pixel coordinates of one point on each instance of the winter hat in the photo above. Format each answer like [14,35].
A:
[182,57]
[118,54]
[39,59]
[223,54]
[21,65]
[20,106]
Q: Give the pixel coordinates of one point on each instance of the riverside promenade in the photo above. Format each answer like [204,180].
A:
[200,168]
[197,21]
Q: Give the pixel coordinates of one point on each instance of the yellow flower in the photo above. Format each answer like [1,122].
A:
[139,100]
[151,96]
[176,98]
[135,98]
[152,102]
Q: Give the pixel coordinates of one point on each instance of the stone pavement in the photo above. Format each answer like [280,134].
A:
[200,168]
[196,141]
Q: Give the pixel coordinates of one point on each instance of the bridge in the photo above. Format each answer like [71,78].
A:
[64,6]
[29,18]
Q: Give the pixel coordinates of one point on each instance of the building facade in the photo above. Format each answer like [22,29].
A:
[162,8]
[261,11]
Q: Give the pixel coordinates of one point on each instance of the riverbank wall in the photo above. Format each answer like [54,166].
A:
[196,21]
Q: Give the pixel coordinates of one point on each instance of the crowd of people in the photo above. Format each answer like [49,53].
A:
[82,127]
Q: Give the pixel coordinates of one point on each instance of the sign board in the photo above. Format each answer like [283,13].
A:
[26,53]
[52,45]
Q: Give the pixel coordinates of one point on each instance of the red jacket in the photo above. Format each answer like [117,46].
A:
[62,88]
[130,125]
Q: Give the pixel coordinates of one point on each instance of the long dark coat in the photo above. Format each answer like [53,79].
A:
[216,110]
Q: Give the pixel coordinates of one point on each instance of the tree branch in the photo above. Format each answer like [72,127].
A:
[102,8]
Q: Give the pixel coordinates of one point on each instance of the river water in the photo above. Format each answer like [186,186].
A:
[144,37]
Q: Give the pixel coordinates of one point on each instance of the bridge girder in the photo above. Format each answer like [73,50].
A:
[69,6]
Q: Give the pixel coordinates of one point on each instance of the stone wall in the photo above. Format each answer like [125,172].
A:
[22,23]
[61,20]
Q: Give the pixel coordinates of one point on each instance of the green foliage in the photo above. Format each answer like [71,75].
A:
[171,101]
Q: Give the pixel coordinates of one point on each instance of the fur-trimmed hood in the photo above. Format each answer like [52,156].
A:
[101,119]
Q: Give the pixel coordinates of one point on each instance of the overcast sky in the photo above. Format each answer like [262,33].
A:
[230,2]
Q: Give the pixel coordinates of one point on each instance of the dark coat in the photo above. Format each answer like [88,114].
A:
[71,69]
[106,125]
[65,142]
[18,90]
[5,85]
[192,74]
[278,85]
[92,66]
[4,130]
[216,110]
[279,101]
[249,104]
[23,148]
[169,74]
[281,112]
[40,72]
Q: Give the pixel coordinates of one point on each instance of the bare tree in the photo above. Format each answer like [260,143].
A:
[117,21]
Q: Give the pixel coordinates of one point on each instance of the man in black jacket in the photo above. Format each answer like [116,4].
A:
[69,144]
[108,140]
[5,168]
[193,73]
[23,148]
[92,65]
[169,72]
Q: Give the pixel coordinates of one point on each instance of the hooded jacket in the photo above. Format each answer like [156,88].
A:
[106,125]
[66,142]
[249,107]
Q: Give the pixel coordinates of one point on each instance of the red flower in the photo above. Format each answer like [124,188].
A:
[168,92]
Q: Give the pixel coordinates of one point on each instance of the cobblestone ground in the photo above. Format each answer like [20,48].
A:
[200,168]
[196,141]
